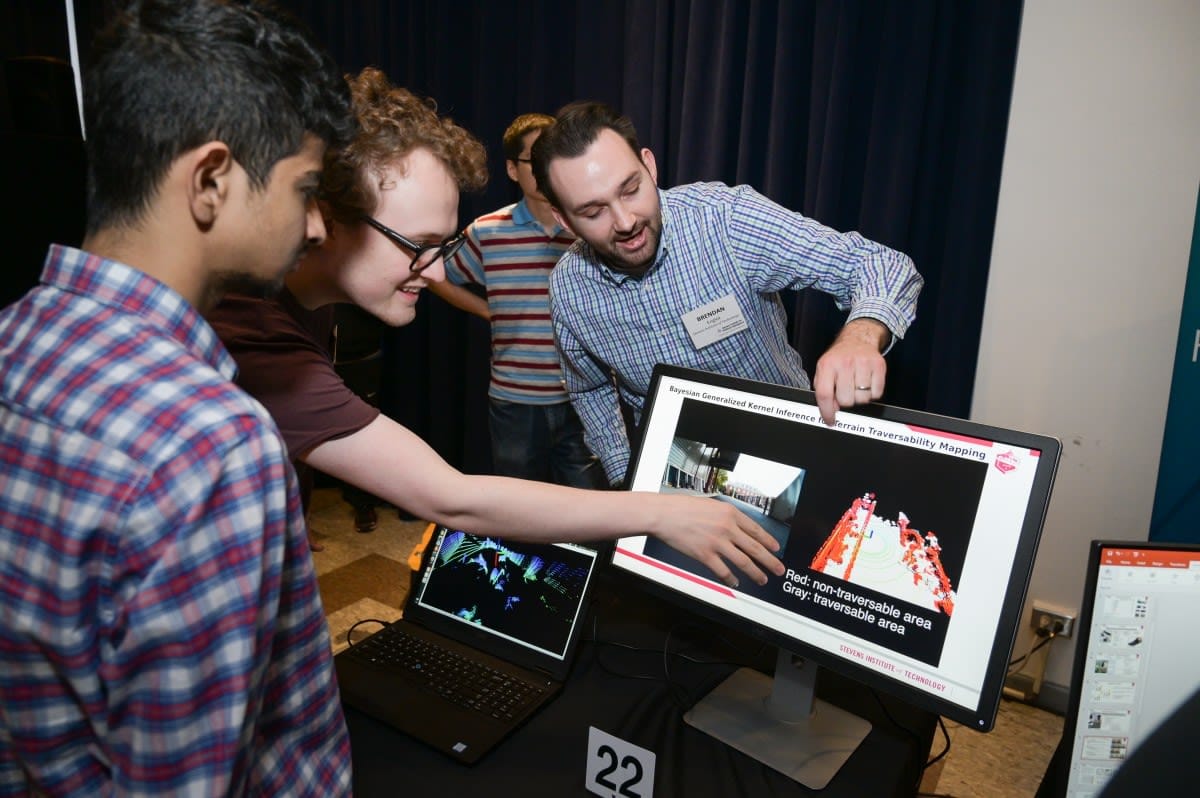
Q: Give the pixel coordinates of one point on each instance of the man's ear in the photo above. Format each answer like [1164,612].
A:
[558,217]
[511,168]
[210,167]
[651,166]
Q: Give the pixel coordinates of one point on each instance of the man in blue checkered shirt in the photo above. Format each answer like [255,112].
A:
[690,276]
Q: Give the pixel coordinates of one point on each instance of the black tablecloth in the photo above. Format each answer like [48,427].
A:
[618,686]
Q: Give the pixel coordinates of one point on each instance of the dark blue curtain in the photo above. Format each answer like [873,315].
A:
[883,116]
[886,117]
[42,172]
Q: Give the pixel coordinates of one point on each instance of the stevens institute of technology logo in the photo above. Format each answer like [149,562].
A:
[1007,461]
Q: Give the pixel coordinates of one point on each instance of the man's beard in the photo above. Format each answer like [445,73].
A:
[249,285]
[612,256]
[254,285]
[242,285]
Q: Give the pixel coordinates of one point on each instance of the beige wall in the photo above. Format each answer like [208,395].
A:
[1093,232]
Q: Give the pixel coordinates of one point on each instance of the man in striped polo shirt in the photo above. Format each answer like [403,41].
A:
[510,252]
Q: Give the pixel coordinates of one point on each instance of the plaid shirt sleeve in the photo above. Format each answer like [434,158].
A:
[210,669]
[781,249]
[590,385]
[160,627]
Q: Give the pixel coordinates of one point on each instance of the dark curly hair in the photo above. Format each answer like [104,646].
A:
[393,122]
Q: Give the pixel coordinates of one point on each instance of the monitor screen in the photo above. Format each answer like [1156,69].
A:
[1137,652]
[908,538]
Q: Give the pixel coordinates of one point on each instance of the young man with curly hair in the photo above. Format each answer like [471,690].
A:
[390,203]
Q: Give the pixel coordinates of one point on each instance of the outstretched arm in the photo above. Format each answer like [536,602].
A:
[391,462]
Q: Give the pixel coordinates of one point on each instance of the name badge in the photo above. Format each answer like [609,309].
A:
[715,321]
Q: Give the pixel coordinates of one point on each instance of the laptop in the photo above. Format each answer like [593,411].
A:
[486,640]
[1136,659]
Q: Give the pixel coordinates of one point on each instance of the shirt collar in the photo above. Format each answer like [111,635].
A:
[523,216]
[116,285]
[665,212]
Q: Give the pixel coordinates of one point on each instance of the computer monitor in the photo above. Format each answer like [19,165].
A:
[1135,661]
[908,540]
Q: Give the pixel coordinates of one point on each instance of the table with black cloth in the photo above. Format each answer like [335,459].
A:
[618,686]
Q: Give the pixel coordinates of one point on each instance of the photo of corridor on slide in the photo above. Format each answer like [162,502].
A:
[764,490]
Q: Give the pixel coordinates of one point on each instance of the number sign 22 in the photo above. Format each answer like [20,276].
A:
[618,769]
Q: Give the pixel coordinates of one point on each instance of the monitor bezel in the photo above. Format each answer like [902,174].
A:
[982,717]
[1083,633]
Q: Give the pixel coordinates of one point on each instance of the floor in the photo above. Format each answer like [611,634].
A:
[1007,762]
[364,578]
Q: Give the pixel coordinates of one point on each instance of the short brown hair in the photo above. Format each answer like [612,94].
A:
[393,122]
[523,125]
[576,127]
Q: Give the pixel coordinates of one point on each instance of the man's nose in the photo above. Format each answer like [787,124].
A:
[624,218]
[435,272]
[314,225]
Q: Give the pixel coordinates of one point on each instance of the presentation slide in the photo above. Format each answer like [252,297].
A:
[898,541]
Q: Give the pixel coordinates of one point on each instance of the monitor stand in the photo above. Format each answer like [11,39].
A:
[780,722]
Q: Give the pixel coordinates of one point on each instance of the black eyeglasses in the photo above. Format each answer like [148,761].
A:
[424,255]
[524,160]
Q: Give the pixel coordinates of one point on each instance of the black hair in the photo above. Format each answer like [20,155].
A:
[577,126]
[166,76]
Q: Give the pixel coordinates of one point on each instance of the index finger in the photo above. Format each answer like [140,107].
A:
[824,386]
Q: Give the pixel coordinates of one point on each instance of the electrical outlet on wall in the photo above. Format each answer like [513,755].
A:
[1047,616]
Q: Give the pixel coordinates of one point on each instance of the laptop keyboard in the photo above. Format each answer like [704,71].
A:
[457,678]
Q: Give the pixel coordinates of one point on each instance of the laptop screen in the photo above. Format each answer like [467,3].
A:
[1137,654]
[529,595]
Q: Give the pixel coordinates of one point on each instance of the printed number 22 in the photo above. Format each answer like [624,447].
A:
[631,762]
[617,768]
